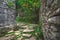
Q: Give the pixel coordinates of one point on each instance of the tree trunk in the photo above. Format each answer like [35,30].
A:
[50,15]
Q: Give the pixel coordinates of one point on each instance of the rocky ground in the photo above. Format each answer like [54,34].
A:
[24,31]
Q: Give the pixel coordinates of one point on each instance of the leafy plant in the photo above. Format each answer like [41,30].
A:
[10,4]
[38,32]
[30,8]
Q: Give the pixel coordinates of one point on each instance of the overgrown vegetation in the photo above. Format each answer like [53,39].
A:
[18,34]
[10,3]
[30,9]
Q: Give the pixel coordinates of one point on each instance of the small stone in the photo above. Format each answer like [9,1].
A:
[7,38]
[20,24]
[24,26]
[20,38]
[1,24]
[7,26]
[26,35]
[17,32]
[26,39]
[32,38]
[10,31]
[27,30]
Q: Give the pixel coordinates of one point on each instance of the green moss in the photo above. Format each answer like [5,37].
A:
[10,4]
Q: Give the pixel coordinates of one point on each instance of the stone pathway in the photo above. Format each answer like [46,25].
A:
[26,28]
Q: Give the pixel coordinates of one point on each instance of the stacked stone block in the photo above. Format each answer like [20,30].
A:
[7,14]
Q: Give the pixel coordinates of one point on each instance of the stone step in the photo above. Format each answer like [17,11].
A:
[27,35]
[27,27]
[33,25]
[1,24]
[27,30]
[20,24]
[24,27]
[26,39]
[20,38]
[32,38]
[7,38]
[17,32]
